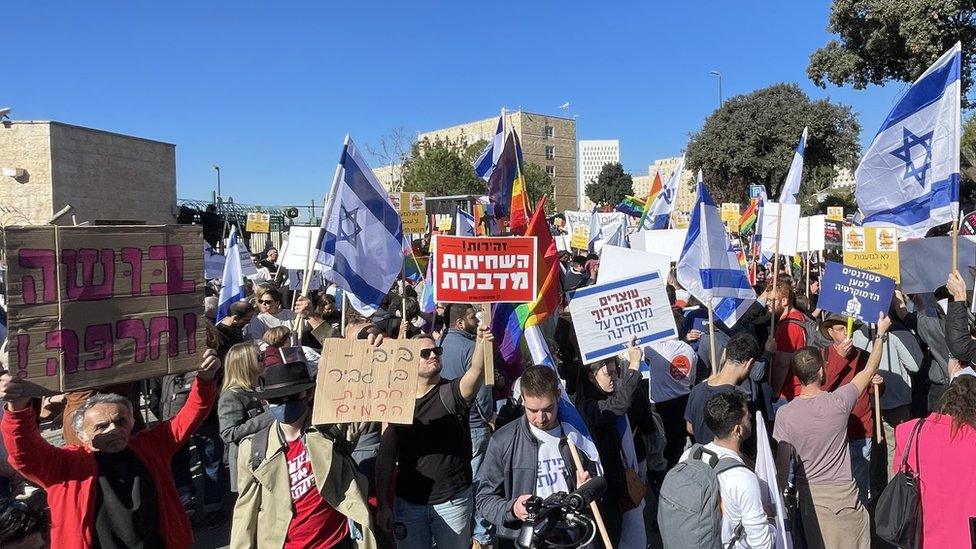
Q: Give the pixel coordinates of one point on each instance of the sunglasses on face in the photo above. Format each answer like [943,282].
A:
[265,301]
[436,351]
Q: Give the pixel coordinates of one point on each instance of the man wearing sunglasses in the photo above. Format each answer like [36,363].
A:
[433,501]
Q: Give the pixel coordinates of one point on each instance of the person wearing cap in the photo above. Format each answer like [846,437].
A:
[842,361]
[298,485]
[116,488]
[230,329]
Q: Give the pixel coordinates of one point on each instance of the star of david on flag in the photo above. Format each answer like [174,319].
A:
[909,176]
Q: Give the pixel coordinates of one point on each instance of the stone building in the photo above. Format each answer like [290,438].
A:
[107,178]
[547,140]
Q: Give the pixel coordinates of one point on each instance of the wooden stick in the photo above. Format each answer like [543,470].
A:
[306,280]
[593,507]
[711,337]
[488,349]
[779,221]
[342,315]
[879,434]
[955,244]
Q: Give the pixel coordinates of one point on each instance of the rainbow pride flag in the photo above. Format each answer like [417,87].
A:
[651,195]
[519,212]
[749,217]
[631,206]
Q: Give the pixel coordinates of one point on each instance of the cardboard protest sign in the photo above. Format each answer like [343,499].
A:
[484,269]
[873,249]
[608,315]
[258,222]
[784,232]
[295,254]
[664,241]
[855,292]
[835,213]
[617,263]
[925,262]
[359,382]
[810,234]
[444,222]
[413,212]
[90,306]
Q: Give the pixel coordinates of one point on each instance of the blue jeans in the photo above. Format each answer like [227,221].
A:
[479,444]
[210,449]
[448,524]
[861,467]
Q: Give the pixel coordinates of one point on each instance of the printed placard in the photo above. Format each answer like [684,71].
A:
[578,225]
[730,211]
[258,222]
[484,269]
[835,213]
[413,212]
[89,306]
[873,249]
[359,382]
[855,292]
[607,316]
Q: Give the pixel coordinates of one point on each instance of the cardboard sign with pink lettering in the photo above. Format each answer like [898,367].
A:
[90,306]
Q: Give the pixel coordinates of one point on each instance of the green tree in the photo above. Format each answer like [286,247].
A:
[881,40]
[752,138]
[968,148]
[442,168]
[611,186]
[538,183]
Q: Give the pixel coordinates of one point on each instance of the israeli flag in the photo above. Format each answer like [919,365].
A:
[596,231]
[463,223]
[489,157]
[362,244]
[708,267]
[791,187]
[213,262]
[909,176]
[232,281]
[663,205]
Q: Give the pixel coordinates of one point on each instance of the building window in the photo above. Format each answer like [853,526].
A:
[550,152]
[549,132]
[551,171]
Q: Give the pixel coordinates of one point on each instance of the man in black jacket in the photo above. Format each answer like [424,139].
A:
[527,457]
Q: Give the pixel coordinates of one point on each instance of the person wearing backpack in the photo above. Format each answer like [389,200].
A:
[711,499]
[790,334]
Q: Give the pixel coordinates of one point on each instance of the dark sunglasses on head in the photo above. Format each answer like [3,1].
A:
[436,351]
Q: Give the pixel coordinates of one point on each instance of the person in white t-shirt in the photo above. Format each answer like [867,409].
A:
[671,365]
[727,416]
[271,314]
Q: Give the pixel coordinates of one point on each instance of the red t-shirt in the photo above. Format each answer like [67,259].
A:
[315,524]
[839,371]
[790,336]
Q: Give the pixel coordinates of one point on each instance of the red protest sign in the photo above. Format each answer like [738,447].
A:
[484,269]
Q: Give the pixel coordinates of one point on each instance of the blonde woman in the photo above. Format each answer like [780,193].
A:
[239,414]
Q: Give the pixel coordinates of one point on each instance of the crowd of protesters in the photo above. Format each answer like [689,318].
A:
[846,408]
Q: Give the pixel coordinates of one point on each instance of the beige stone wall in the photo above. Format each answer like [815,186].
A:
[27,200]
[686,185]
[110,177]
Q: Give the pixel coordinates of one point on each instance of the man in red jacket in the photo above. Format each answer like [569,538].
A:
[116,489]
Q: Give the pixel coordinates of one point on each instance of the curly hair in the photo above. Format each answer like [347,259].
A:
[959,401]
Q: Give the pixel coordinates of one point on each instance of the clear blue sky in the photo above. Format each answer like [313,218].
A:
[268,89]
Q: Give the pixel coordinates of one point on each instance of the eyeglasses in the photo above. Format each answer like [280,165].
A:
[265,301]
[436,351]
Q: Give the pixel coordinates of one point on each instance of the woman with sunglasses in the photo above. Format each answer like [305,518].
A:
[270,314]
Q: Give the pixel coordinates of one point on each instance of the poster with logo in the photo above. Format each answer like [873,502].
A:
[835,213]
[730,211]
[873,249]
[484,269]
[413,212]
[855,292]
[258,222]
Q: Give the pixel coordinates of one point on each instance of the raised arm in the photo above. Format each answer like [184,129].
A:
[474,378]
[863,378]
[173,433]
[27,451]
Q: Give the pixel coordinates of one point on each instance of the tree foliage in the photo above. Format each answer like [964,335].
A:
[538,183]
[752,138]
[881,40]
[611,186]
[968,149]
[442,167]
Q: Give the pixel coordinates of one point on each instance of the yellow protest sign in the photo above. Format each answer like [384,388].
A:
[730,211]
[258,222]
[444,222]
[835,213]
[873,249]
[733,225]
[581,238]
[413,212]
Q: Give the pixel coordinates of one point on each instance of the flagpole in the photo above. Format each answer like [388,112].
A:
[772,315]
[597,516]
[955,243]
[809,222]
[710,302]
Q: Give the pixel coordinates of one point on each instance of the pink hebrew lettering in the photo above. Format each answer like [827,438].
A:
[98,337]
[159,326]
[45,261]
[135,329]
[87,289]
[190,327]
[133,257]
[67,342]
[175,283]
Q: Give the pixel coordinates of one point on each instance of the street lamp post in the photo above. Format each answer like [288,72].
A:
[719,75]
[219,197]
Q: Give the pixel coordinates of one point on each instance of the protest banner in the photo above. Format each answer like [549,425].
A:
[258,222]
[664,241]
[578,225]
[444,222]
[834,240]
[413,212]
[395,200]
[924,263]
[90,306]
[779,236]
[810,234]
[359,382]
[968,225]
[617,263]
[247,266]
[855,292]
[835,213]
[484,269]
[730,211]
[606,316]
[873,249]
[295,252]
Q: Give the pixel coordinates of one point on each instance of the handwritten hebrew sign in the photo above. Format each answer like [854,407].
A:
[484,269]
[359,382]
[90,306]
[607,316]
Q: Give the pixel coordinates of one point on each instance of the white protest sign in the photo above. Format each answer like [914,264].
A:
[562,242]
[618,263]
[810,235]
[247,266]
[787,233]
[213,262]
[296,256]
[578,223]
[607,316]
[664,241]
[924,262]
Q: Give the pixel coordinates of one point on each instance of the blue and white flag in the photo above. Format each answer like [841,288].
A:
[708,267]
[909,176]
[213,262]
[663,205]
[596,231]
[463,223]
[232,281]
[569,416]
[617,235]
[362,245]
[489,157]
[791,187]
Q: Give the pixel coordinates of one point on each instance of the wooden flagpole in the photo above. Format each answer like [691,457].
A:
[708,304]
[597,516]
